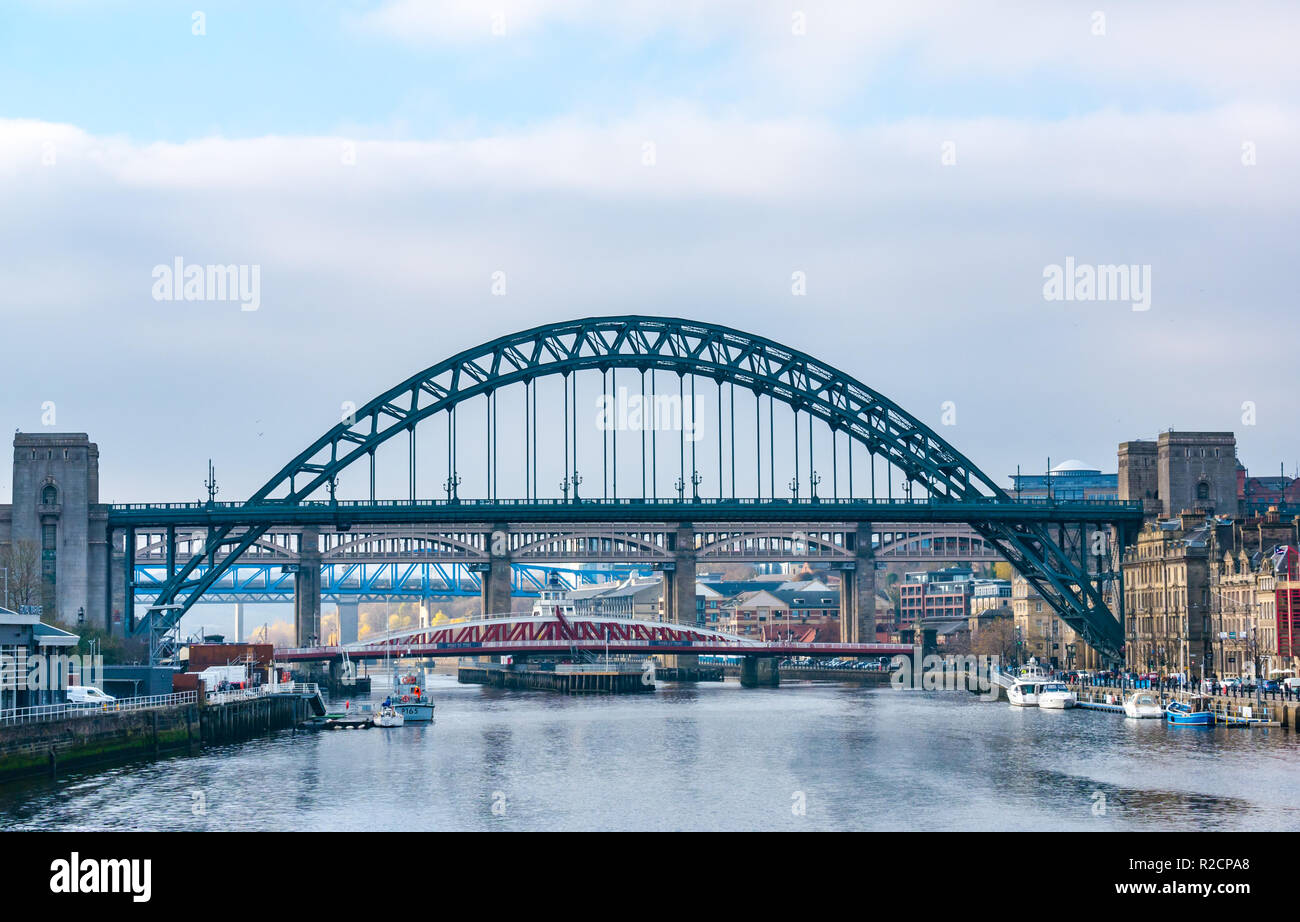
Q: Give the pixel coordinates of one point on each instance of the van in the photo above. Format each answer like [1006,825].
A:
[87,694]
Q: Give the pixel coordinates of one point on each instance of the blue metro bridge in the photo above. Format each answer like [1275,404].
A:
[859,479]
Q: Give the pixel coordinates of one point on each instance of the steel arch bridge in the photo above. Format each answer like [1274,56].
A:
[1052,544]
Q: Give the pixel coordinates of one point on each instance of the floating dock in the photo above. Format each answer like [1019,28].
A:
[1102,706]
[615,678]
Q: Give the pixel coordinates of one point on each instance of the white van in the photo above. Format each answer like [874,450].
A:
[87,694]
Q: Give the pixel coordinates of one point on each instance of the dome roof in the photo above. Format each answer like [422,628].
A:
[1074,464]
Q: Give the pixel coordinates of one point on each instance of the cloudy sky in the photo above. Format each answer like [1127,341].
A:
[921,163]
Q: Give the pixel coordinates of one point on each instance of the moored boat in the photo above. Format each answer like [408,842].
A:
[387,717]
[1027,684]
[1142,705]
[1056,696]
[1189,714]
[410,700]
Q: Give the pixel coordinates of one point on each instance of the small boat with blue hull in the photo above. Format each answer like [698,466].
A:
[1190,713]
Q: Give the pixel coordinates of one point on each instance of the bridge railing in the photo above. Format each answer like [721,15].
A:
[46,712]
[750,648]
[261,691]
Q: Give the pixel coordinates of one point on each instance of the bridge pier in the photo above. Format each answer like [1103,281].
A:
[495,586]
[349,618]
[679,593]
[306,589]
[858,591]
[759,672]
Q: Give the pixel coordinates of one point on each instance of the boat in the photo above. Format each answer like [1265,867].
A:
[1191,713]
[411,700]
[1143,704]
[387,717]
[1026,685]
[1056,696]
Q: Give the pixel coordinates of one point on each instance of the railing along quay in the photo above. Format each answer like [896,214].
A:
[67,710]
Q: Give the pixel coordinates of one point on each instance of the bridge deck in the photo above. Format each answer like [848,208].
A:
[485,512]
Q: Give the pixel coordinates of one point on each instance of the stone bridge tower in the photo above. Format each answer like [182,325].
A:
[57,515]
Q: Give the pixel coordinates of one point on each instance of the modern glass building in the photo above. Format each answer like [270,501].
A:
[1069,480]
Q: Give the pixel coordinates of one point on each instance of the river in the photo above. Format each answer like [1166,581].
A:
[806,756]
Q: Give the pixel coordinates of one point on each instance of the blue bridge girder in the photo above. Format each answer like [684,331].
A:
[1049,543]
[370,582]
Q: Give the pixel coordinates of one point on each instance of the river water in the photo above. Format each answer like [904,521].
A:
[806,756]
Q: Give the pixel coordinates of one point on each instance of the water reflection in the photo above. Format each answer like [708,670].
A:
[712,756]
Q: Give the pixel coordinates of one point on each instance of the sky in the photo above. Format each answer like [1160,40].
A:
[921,164]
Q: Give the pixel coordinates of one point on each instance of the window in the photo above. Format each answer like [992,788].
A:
[49,495]
[1202,490]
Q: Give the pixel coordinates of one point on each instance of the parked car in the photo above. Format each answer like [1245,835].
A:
[87,694]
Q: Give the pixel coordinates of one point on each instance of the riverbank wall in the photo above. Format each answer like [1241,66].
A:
[49,748]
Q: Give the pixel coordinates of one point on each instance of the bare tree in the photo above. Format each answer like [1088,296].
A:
[996,637]
[23,561]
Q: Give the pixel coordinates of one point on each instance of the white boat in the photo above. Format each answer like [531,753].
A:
[1057,696]
[1143,704]
[387,717]
[1026,685]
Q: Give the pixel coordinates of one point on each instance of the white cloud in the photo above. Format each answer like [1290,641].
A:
[1214,48]
[924,280]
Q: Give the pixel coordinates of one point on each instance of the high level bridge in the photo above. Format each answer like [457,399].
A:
[626,441]
[420,562]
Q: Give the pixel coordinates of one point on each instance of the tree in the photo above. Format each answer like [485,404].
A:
[996,637]
[22,559]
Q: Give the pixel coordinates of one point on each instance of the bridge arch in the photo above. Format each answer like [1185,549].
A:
[702,351]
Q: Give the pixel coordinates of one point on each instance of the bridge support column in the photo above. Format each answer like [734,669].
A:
[858,592]
[679,596]
[119,615]
[239,622]
[349,618]
[496,590]
[306,589]
[759,672]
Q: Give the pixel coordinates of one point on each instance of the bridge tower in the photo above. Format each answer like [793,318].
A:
[306,590]
[56,529]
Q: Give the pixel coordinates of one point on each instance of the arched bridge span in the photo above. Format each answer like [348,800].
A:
[1054,545]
